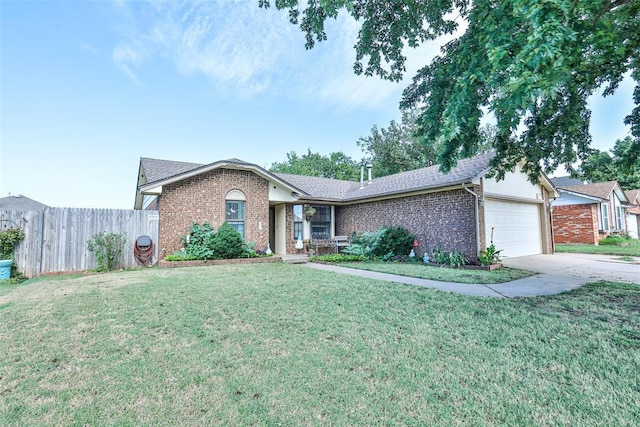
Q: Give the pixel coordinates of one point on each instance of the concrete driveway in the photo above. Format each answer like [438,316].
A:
[594,267]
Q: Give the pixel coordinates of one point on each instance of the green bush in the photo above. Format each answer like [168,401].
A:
[8,239]
[199,242]
[227,243]
[107,247]
[385,243]
[394,241]
[613,240]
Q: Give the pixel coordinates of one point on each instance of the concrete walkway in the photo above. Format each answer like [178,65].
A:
[557,273]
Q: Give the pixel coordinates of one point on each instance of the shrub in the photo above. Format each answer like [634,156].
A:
[107,249]
[227,243]
[199,242]
[385,243]
[613,240]
[394,241]
[8,239]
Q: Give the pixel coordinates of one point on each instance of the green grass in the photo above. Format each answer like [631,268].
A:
[279,344]
[632,249]
[443,274]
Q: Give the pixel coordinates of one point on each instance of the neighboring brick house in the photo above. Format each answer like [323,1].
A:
[585,213]
[633,213]
[459,211]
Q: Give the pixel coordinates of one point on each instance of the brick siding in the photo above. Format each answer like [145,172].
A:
[202,198]
[445,219]
[575,224]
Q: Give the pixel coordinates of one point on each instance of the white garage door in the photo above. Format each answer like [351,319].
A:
[516,227]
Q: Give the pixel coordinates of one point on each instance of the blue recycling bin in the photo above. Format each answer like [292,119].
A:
[5,268]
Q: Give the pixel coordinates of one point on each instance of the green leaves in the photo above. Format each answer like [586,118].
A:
[336,165]
[530,63]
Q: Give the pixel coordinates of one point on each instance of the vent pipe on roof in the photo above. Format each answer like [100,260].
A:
[369,167]
[362,176]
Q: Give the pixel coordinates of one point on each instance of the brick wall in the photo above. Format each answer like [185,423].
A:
[445,219]
[575,224]
[202,198]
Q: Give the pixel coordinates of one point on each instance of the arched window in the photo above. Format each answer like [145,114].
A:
[234,208]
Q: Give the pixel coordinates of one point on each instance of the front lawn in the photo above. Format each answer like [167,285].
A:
[632,249]
[443,274]
[280,344]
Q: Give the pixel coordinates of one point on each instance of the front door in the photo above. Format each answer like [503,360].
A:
[272,228]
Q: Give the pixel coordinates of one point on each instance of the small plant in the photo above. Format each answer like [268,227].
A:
[490,256]
[107,247]
[8,239]
[457,260]
[439,256]
[308,211]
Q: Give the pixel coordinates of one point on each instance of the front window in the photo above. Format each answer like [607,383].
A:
[321,223]
[297,222]
[605,217]
[619,218]
[234,208]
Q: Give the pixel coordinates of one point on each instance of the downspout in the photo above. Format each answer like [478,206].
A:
[477,217]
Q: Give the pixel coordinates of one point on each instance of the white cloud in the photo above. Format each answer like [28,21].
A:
[245,50]
[125,57]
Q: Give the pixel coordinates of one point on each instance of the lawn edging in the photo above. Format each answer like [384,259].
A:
[199,262]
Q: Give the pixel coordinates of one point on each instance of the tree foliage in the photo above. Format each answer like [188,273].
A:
[532,64]
[397,148]
[336,165]
[600,166]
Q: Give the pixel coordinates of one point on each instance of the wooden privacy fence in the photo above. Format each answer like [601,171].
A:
[56,238]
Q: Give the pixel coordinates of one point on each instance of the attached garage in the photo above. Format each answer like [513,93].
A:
[517,229]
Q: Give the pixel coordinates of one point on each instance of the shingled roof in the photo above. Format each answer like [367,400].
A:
[566,181]
[404,182]
[634,198]
[601,190]
[20,203]
[156,169]
[325,189]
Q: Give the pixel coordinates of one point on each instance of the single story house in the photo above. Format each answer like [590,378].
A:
[587,212]
[633,213]
[459,211]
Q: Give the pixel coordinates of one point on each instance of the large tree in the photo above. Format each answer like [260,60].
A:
[336,165]
[531,63]
[601,166]
[397,148]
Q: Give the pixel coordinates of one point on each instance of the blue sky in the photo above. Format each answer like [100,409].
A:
[89,87]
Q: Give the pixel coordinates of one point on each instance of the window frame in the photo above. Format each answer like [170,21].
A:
[321,219]
[238,198]
[604,210]
[298,222]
